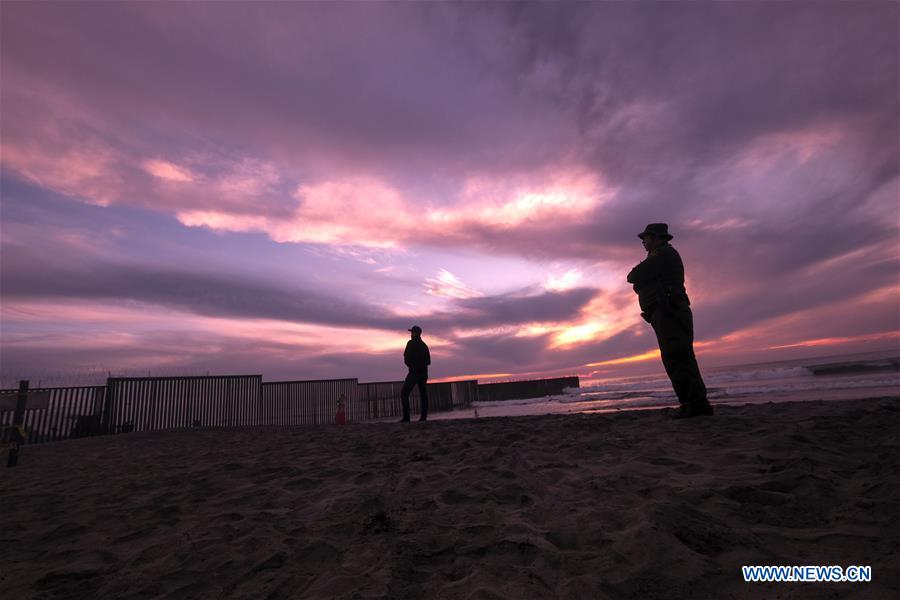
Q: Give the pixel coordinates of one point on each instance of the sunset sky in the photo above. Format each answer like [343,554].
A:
[286,188]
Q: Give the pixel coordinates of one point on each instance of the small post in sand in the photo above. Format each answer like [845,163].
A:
[17,433]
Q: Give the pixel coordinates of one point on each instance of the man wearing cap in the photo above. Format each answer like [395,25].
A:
[659,284]
[417,358]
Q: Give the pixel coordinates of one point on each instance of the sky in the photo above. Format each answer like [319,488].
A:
[285,188]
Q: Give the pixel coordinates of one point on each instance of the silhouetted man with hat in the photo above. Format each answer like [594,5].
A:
[659,284]
[417,358]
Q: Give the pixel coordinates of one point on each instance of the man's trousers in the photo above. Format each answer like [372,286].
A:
[675,334]
[413,380]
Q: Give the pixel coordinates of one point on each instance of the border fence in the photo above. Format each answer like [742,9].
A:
[127,404]
[382,398]
[71,412]
[534,388]
[308,402]
[153,403]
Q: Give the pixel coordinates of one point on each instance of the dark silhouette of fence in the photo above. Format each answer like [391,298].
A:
[71,412]
[382,398]
[127,404]
[309,402]
[516,390]
[154,403]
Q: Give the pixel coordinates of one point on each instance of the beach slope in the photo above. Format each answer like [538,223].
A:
[617,506]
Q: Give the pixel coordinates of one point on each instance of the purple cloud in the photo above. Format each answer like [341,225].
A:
[325,150]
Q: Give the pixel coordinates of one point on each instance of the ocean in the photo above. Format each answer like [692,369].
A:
[845,377]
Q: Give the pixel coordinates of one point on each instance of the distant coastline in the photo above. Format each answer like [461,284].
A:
[860,366]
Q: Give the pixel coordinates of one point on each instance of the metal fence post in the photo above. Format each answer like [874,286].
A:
[106,417]
[17,433]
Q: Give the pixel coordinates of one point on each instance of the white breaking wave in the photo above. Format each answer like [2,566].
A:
[744,387]
[760,375]
[758,384]
[851,377]
[710,378]
[814,385]
[490,403]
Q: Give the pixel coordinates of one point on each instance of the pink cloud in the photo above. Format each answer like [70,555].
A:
[447,285]
[167,171]
[84,170]
[96,324]
[368,212]
[566,281]
[427,133]
[779,176]
[505,202]
[601,319]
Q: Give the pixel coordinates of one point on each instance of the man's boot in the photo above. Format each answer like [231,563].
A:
[688,411]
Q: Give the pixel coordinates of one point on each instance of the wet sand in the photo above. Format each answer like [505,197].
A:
[623,505]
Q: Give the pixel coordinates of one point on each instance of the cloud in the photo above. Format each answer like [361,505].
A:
[566,281]
[167,171]
[83,171]
[764,134]
[331,212]
[27,275]
[41,273]
[131,316]
[521,308]
[447,285]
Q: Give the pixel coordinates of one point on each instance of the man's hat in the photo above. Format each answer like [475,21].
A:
[415,329]
[660,230]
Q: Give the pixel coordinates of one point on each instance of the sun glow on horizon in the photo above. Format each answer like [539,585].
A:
[839,340]
[584,332]
[652,354]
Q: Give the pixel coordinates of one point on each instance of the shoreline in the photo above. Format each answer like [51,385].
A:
[552,405]
[614,506]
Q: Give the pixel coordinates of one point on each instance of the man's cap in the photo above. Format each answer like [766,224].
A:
[415,329]
[660,230]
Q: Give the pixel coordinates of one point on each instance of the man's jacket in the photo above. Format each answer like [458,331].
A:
[659,282]
[417,357]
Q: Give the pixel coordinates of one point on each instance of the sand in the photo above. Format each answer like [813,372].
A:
[627,505]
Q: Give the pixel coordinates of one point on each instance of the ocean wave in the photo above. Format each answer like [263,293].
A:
[857,366]
[524,401]
[722,377]
[759,374]
[738,388]
[623,395]
[814,385]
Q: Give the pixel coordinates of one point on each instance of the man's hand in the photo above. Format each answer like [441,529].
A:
[630,277]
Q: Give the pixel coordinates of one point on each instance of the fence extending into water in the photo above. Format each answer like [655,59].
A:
[382,399]
[518,390]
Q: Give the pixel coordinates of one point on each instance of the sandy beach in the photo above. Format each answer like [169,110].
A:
[626,505]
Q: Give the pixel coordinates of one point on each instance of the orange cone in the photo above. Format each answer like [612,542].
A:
[340,417]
